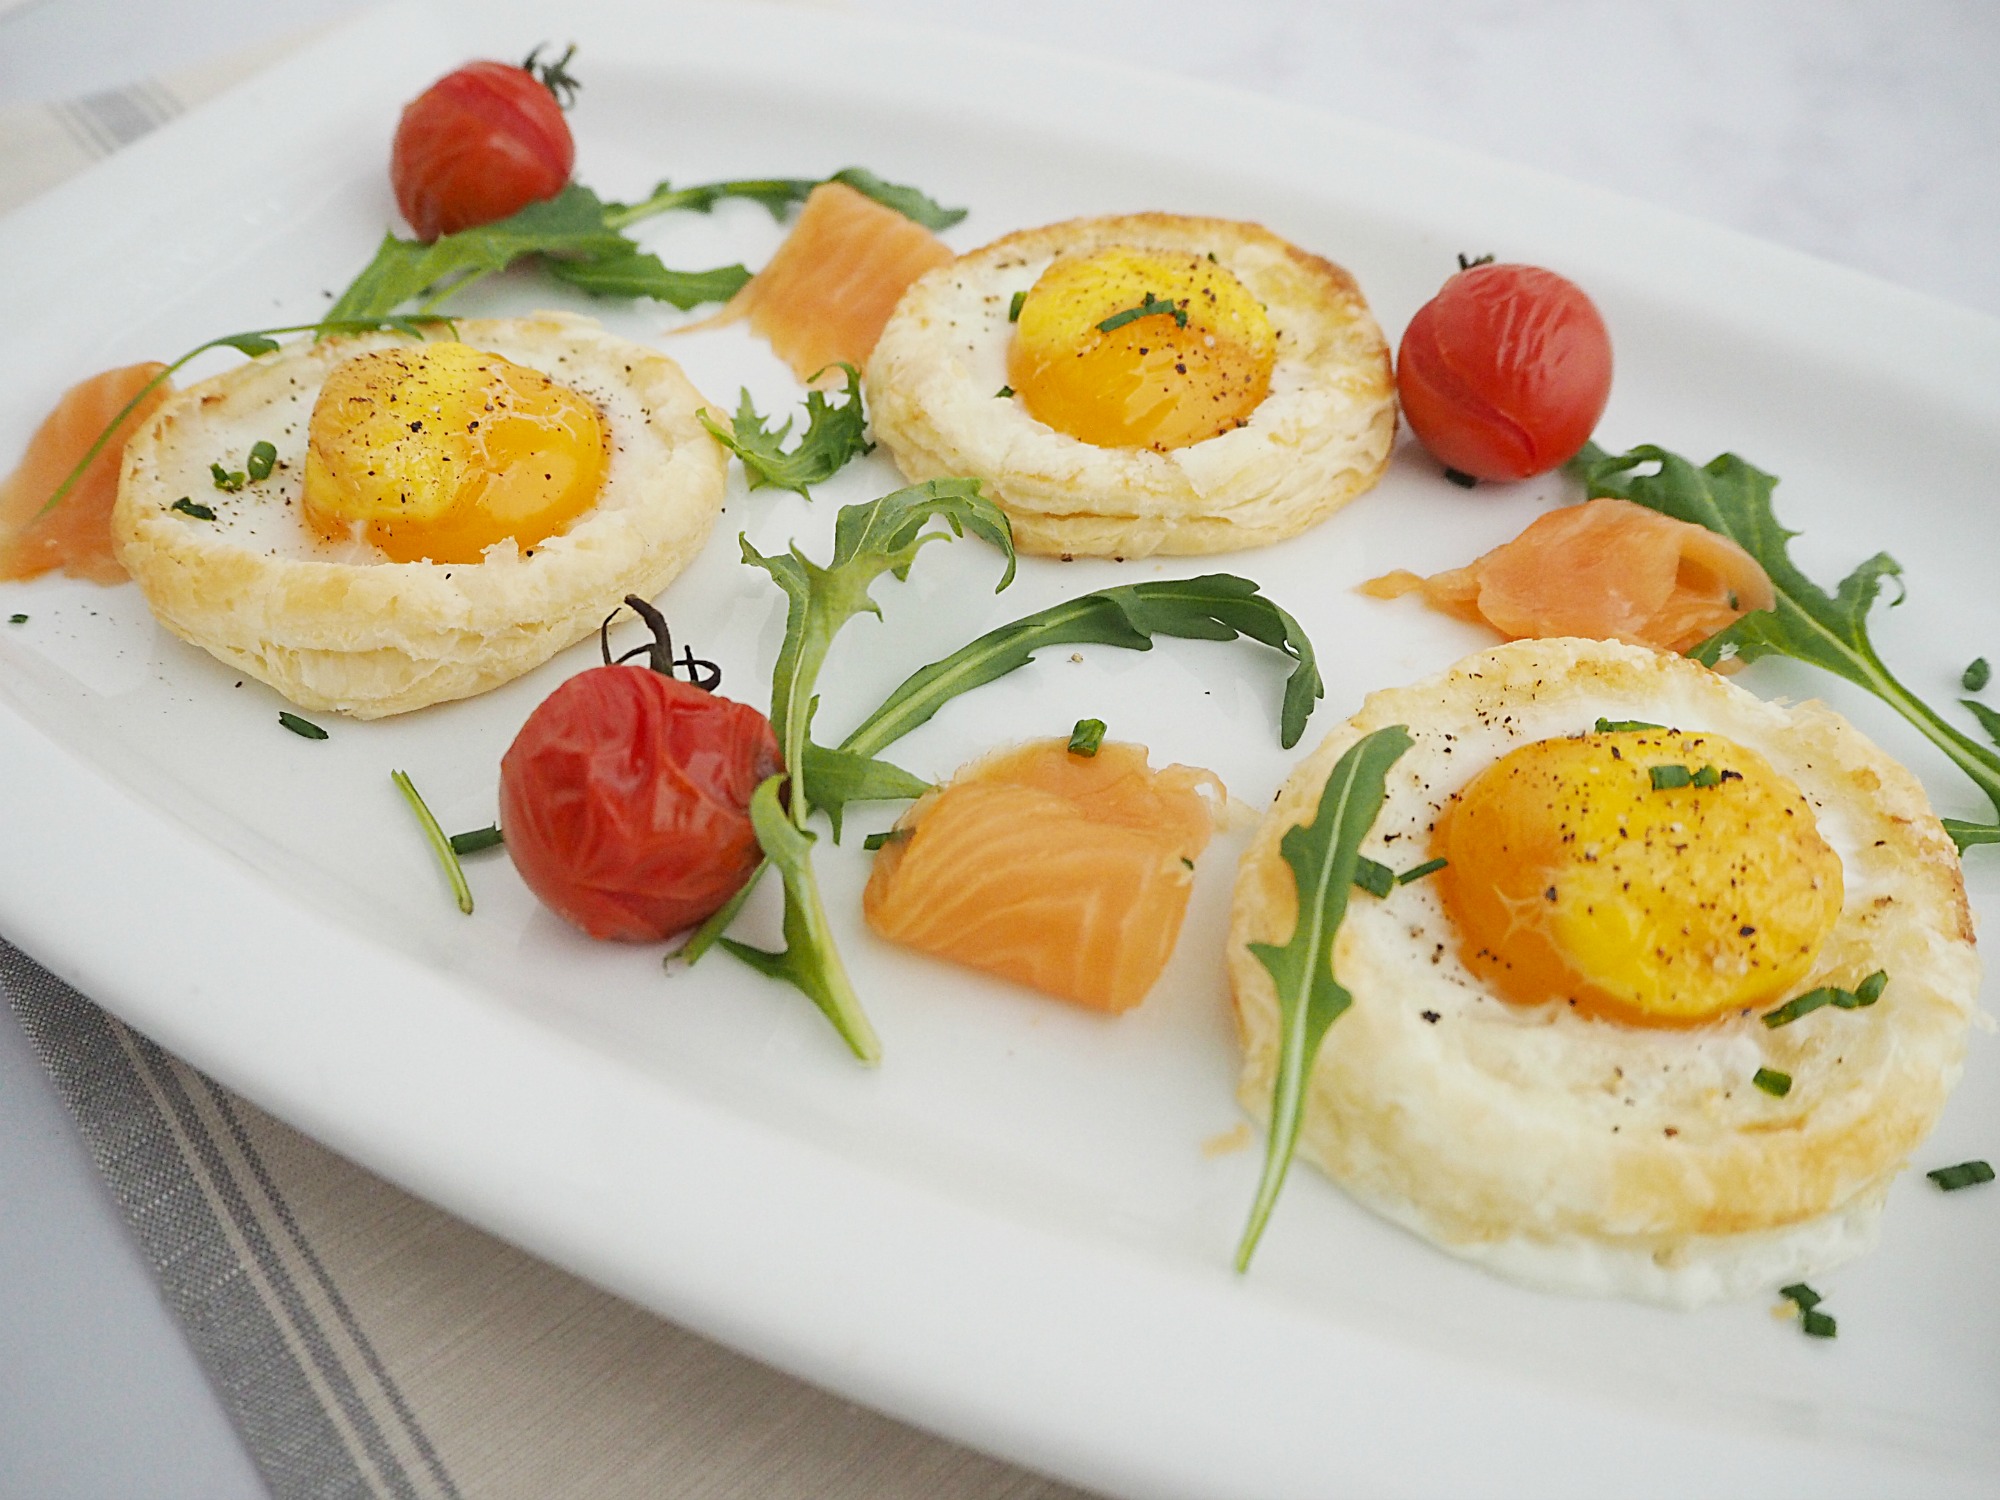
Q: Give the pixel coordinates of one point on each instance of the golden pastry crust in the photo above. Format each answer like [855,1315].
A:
[1584,1154]
[339,627]
[1320,438]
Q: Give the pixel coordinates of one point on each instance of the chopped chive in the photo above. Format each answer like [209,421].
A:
[1003,393]
[305,729]
[1146,309]
[434,836]
[263,459]
[1460,478]
[886,836]
[1870,989]
[1086,737]
[489,837]
[1014,306]
[1772,1082]
[1418,872]
[1800,1005]
[1966,1174]
[1818,1325]
[1668,778]
[1186,861]
[226,479]
[1801,1294]
[1976,676]
[17,619]
[1624,726]
[1707,776]
[190,507]
[1375,878]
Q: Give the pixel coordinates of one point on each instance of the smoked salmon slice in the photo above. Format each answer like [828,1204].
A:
[829,290]
[76,535]
[1607,569]
[1065,872]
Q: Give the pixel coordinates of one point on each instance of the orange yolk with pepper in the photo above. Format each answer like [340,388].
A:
[1584,870]
[439,450]
[1135,349]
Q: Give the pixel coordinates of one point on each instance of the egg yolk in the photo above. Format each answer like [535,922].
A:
[1194,362]
[439,450]
[1655,877]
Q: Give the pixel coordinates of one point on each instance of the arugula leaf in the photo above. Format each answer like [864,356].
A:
[1213,607]
[882,536]
[1829,631]
[1324,855]
[809,959]
[571,223]
[254,342]
[907,201]
[833,435]
[581,240]
[869,540]
[838,777]
[639,273]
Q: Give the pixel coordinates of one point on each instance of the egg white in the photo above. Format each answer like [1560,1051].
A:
[1321,437]
[1586,1155]
[337,625]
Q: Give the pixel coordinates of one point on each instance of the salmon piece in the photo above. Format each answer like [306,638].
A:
[829,290]
[1607,569]
[1065,872]
[76,535]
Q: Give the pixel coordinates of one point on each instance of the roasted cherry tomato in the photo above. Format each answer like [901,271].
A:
[480,144]
[1504,373]
[625,797]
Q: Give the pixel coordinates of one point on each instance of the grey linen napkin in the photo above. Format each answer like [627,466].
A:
[365,1343]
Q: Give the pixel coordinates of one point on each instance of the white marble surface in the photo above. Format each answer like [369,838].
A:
[1862,131]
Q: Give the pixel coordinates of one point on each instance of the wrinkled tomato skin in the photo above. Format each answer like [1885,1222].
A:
[478,145]
[1504,373]
[625,797]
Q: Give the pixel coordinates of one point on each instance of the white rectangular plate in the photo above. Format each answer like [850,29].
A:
[1009,1232]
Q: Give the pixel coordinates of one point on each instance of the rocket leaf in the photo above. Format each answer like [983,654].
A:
[1323,856]
[882,536]
[581,239]
[809,960]
[1214,607]
[1829,631]
[833,435]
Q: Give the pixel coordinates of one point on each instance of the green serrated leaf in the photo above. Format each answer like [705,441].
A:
[1964,835]
[639,273]
[838,777]
[878,537]
[1213,607]
[1323,855]
[1829,631]
[907,201]
[809,959]
[834,434]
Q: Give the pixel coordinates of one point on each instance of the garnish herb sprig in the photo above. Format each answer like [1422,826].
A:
[254,342]
[1213,607]
[446,849]
[834,434]
[1323,856]
[1829,631]
[882,536]
[581,239]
